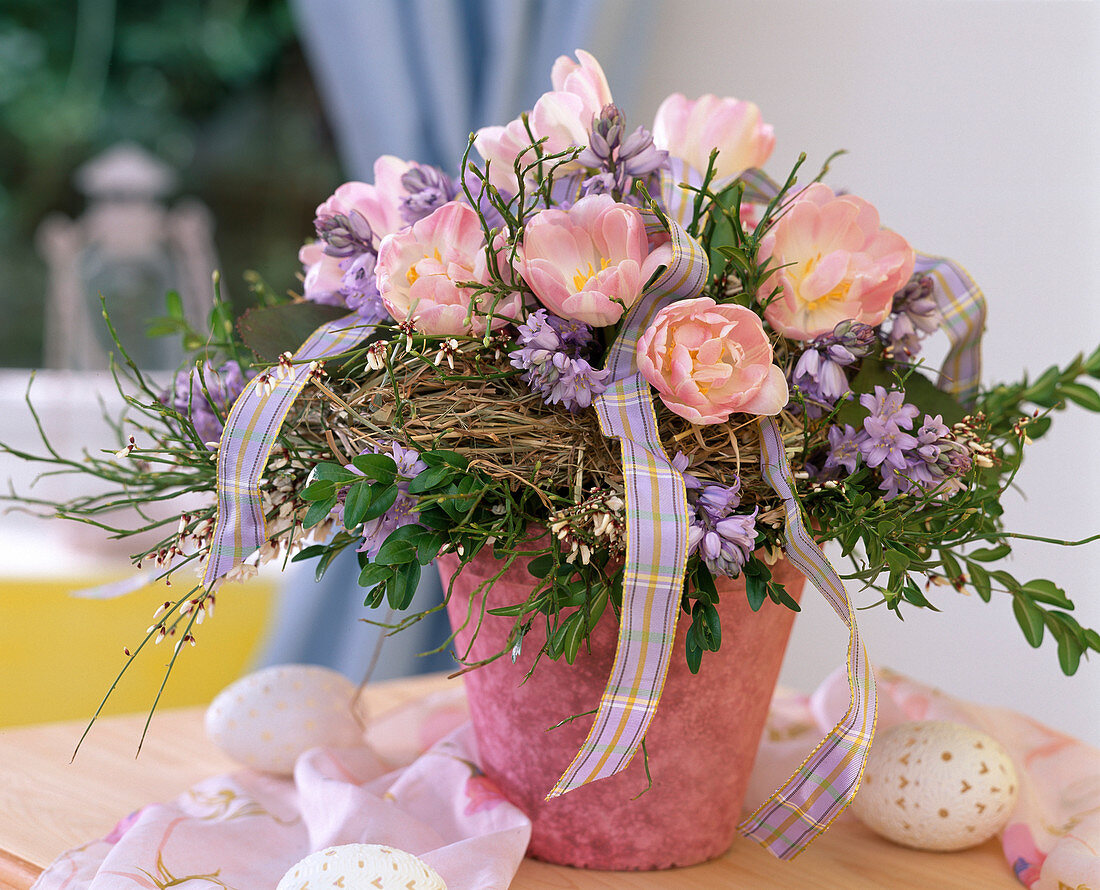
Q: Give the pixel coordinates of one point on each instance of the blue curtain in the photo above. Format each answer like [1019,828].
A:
[414,78]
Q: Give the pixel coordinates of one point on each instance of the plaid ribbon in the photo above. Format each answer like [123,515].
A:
[807,803]
[657,526]
[250,431]
[962,306]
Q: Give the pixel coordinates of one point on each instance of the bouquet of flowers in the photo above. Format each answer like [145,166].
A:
[623,357]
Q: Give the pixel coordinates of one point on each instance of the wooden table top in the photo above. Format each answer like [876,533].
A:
[49,805]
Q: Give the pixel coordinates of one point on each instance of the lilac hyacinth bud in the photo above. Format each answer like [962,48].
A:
[718,501]
[620,158]
[916,314]
[428,188]
[345,234]
[604,137]
[726,545]
[857,338]
[550,355]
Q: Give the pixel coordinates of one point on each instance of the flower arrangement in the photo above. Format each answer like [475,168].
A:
[463,337]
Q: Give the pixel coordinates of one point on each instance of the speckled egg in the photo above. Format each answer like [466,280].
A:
[936,785]
[267,719]
[361,867]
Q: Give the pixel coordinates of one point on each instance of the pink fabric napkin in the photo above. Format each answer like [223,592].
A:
[245,830]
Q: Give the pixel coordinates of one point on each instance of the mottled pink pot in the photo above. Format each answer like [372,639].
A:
[701,743]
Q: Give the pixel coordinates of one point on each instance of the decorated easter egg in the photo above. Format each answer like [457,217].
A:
[936,785]
[267,719]
[361,867]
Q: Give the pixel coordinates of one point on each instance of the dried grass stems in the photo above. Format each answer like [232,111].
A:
[482,409]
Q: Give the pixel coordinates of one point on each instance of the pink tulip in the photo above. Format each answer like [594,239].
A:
[708,361]
[590,262]
[561,117]
[424,274]
[690,130]
[379,204]
[834,262]
[323,276]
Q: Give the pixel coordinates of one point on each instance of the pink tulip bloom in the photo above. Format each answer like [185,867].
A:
[323,276]
[690,130]
[561,117]
[379,204]
[424,274]
[708,361]
[590,262]
[834,263]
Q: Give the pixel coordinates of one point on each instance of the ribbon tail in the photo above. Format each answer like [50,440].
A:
[250,432]
[653,581]
[820,789]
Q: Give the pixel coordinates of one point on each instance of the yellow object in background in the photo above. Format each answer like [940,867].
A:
[60,654]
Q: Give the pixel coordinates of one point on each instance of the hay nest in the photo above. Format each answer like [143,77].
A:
[483,410]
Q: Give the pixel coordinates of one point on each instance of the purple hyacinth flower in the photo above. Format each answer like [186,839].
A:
[890,406]
[844,450]
[549,354]
[405,509]
[885,443]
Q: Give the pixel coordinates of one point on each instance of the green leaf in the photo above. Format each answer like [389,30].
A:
[574,636]
[174,304]
[373,574]
[431,478]
[990,554]
[777,593]
[310,552]
[1030,618]
[395,553]
[541,566]
[923,393]
[428,547]
[321,490]
[1047,592]
[356,503]
[318,512]
[380,467]
[332,473]
[756,588]
[441,457]
[401,590]
[381,502]
[269,331]
[694,653]
[1083,395]
[979,578]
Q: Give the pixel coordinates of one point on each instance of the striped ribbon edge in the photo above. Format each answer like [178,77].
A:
[962,305]
[827,780]
[657,525]
[250,432]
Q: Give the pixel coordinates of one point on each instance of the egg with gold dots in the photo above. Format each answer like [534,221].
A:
[266,720]
[362,867]
[936,785]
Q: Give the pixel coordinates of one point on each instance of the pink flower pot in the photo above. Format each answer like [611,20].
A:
[701,742]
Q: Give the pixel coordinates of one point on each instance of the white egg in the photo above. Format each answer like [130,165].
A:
[936,785]
[267,719]
[361,867]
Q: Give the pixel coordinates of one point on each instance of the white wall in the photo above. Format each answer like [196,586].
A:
[975,129]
